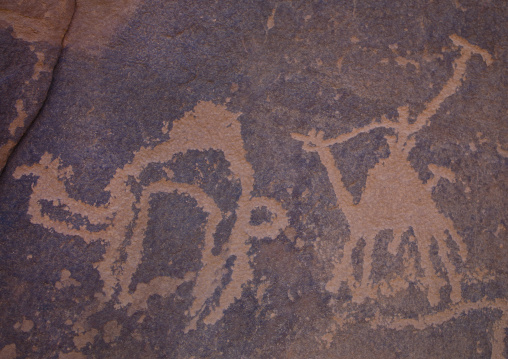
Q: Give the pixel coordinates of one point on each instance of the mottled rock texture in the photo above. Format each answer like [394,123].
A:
[255,179]
[31,35]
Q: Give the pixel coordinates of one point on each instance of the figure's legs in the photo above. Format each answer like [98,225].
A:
[430,280]
[364,290]
[499,337]
[343,270]
[453,276]
[394,245]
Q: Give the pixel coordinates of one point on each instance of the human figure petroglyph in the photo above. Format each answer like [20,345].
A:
[208,126]
[395,199]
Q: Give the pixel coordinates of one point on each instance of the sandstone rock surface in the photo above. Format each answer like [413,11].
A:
[261,179]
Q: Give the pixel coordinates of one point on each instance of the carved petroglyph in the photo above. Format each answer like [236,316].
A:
[208,126]
[424,321]
[395,199]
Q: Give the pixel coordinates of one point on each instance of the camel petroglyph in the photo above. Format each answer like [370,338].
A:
[208,126]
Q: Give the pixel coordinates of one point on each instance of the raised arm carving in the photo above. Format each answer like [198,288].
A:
[453,83]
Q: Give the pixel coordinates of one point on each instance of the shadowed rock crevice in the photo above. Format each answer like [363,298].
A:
[28,96]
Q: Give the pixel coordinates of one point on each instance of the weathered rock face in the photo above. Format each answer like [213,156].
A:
[254,180]
[31,36]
